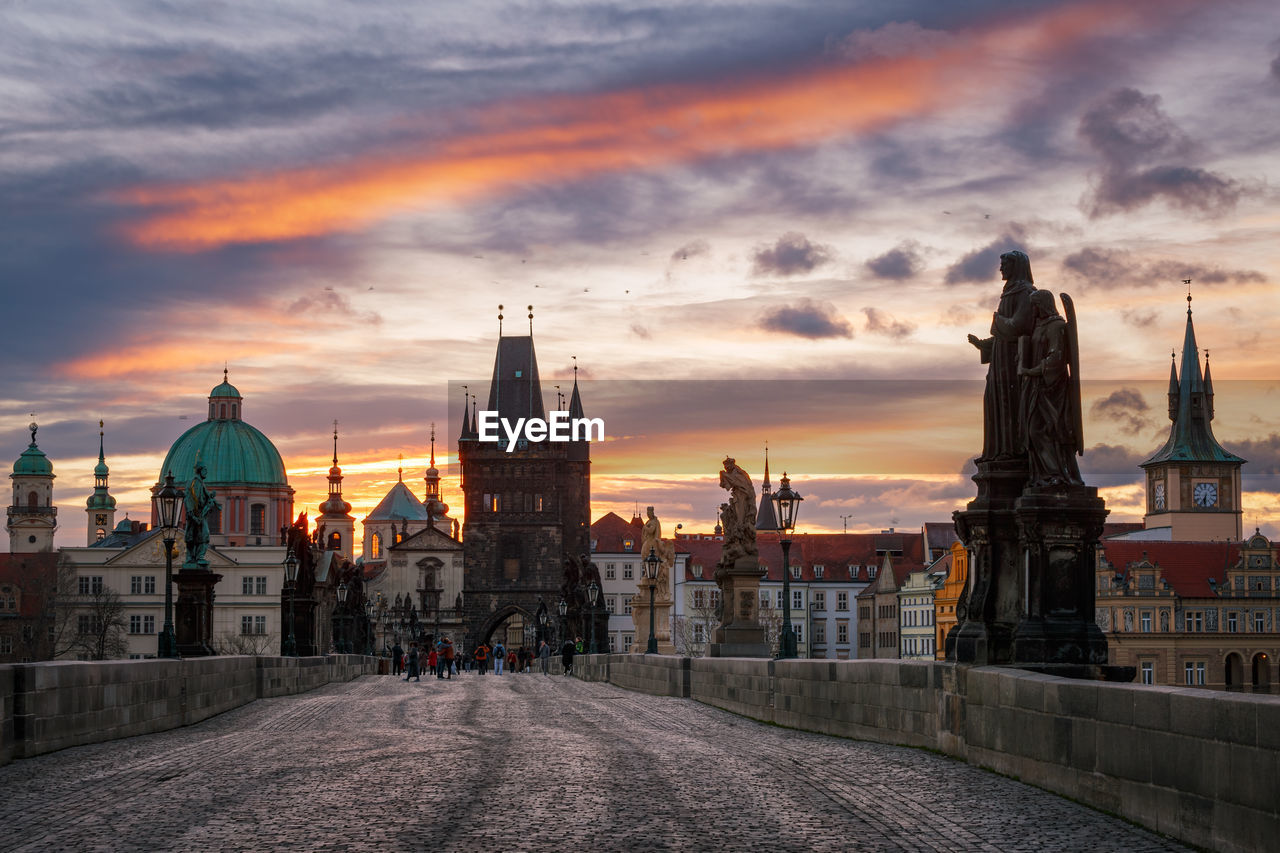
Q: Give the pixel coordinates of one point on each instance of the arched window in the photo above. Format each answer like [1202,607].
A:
[101,534]
[375,547]
[222,410]
[335,541]
[33,499]
[233,411]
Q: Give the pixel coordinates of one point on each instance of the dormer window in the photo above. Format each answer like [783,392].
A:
[871,572]
[519,373]
[818,571]
[628,544]
[697,570]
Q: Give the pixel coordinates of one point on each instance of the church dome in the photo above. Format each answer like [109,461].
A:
[33,463]
[232,450]
[225,389]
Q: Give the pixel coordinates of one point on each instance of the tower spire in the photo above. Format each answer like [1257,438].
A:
[433,444]
[335,443]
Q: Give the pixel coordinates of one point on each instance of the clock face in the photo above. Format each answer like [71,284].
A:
[101,519]
[1159,495]
[1205,494]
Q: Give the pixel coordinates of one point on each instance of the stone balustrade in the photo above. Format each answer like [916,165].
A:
[54,705]
[1199,765]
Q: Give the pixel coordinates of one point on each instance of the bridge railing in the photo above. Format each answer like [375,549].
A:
[1201,766]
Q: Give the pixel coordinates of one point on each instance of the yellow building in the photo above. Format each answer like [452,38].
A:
[956,565]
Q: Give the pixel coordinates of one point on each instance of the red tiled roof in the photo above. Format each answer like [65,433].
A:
[1187,566]
[835,552]
[610,529]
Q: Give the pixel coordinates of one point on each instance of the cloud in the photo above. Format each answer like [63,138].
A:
[1117,267]
[880,323]
[1125,407]
[1135,140]
[793,254]
[808,319]
[1111,465]
[640,331]
[692,249]
[983,264]
[903,261]
[896,38]
[956,315]
[1264,459]
[1139,317]
[330,302]
[1275,68]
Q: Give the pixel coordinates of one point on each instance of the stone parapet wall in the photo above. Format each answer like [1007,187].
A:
[1201,766]
[58,704]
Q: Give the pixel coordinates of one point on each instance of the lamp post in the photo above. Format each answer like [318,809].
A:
[651,563]
[787,504]
[593,593]
[290,584]
[342,600]
[542,621]
[369,614]
[563,607]
[168,500]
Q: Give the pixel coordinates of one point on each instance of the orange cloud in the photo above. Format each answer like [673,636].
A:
[565,138]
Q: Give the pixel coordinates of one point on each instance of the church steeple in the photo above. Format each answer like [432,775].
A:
[335,513]
[101,506]
[1193,483]
[765,518]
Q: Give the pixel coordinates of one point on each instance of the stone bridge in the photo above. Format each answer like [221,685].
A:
[319,754]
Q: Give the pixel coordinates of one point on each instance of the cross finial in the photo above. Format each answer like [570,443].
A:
[400,470]
[1187,282]
[575,367]
[530,320]
[499,321]
[335,442]
[433,444]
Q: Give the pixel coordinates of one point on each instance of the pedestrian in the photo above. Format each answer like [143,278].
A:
[566,656]
[440,658]
[522,660]
[499,657]
[544,657]
[433,661]
[448,657]
[414,671]
[481,654]
[397,656]
[511,661]
[577,646]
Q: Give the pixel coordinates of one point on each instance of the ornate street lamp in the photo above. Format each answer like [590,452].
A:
[593,593]
[342,601]
[542,620]
[290,584]
[563,607]
[369,614]
[651,564]
[787,504]
[167,501]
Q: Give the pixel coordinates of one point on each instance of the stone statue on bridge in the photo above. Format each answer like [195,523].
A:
[199,504]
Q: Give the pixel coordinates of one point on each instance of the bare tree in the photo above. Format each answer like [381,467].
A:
[691,633]
[229,643]
[100,624]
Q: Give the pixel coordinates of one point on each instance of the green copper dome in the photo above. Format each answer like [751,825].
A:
[225,389]
[233,451]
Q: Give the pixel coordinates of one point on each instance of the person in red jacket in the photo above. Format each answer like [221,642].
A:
[448,658]
[482,657]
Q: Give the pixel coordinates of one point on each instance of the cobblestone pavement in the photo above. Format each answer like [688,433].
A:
[522,762]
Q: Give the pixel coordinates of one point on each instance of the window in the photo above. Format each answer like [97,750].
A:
[699,633]
[626,609]
[871,571]
[101,534]
[798,627]
[842,632]
[375,547]
[86,623]
[1195,622]
[627,639]
[795,572]
[494,501]
[142,624]
[628,544]
[258,519]
[253,625]
[842,600]
[797,599]
[1146,622]
[626,571]
[699,599]
[778,597]
[610,571]
[90,584]
[1148,672]
[819,600]
[613,643]
[537,503]
[6,644]
[1195,673]
[611,604]
[1233,622]
[1259,622]
[819,632]
[253,586]
[819,571]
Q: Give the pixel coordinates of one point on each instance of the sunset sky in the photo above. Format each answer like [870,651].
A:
[750,222]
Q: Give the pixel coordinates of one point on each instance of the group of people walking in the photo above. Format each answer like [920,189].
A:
[444,661]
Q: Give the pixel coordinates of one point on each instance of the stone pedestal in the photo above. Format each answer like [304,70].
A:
[194,611]
[1058,528]
[661,619]
[740,634]
[991,607]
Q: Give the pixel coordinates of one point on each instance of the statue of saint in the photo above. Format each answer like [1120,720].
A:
[1051,395]
[199,504]
[739,514]
[651,539]
[1002,437]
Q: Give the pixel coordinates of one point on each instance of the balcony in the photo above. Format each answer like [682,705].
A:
[50,511]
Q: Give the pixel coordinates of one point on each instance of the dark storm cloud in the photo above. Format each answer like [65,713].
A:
[1116,267]
[1275,68]
[692,249]
[1136,141]
[903,261]
[881,323]
[1111,465]
[983,264]
[1125,407]
[792,254]
[808,319]
[1263,454]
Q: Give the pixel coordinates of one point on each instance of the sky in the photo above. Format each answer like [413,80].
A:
[801,203]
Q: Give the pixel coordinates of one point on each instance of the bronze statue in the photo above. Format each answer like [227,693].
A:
[1050,368]
[199,503]
[1002,437]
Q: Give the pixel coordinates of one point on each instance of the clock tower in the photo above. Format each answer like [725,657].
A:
[1193,485]
[101,506]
